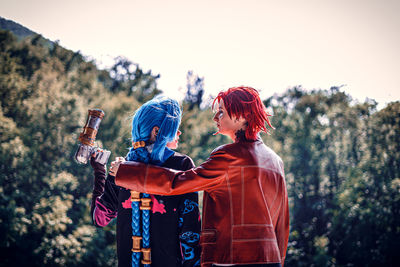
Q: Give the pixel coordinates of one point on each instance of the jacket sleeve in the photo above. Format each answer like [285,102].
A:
[98,184]
[282,224]
[104,198]
[163,181]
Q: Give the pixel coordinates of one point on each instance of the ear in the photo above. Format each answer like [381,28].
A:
[154,133]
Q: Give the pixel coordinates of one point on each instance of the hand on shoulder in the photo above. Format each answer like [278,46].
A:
[115,165]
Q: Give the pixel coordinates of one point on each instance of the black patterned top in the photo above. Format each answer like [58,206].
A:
[174,222]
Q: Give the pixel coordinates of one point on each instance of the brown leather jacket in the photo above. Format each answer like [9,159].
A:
[245,206]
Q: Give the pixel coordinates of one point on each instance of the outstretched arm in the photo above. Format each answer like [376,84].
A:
[99,182]
[162,181]
[105,196]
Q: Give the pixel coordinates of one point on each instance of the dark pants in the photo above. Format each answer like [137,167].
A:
[257,265]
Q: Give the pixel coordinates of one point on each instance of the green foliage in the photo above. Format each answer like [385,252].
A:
[129,78]
[45,196]
[366,220]
[342,160]
[194,90]
[342,168]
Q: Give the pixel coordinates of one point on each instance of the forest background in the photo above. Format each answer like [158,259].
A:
[342,159]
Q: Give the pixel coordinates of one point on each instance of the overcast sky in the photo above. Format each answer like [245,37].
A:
[270,45]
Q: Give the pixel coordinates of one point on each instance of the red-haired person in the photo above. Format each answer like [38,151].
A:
[245,208]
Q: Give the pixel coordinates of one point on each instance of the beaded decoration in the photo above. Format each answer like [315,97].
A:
[138,144]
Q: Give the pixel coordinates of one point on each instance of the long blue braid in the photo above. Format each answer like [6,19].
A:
[146,228]
[135,231]
[164,113]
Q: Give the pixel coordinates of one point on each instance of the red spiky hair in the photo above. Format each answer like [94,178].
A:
[245,102]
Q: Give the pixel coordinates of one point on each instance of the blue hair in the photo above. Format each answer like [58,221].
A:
[163,112]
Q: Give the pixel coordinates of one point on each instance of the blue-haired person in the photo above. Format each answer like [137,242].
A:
[152,230]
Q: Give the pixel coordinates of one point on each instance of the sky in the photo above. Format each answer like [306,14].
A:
[269,45]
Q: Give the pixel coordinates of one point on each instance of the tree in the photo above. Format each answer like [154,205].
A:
[130,78]
[317,134]
[194,90]
[43,194]
[366,221]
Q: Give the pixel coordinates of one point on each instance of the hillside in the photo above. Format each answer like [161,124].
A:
[17,29]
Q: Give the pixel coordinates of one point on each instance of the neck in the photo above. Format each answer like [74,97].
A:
[240,135]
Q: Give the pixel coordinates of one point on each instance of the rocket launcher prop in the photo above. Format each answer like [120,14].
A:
[88,136]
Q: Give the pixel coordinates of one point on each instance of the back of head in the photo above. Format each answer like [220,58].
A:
[162,112]
[245,102]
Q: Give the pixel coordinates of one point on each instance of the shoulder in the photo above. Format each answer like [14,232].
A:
[275,159]
[227,149]
[222,149]
[179,161]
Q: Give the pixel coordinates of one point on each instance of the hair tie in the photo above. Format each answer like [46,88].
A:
[138,144]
